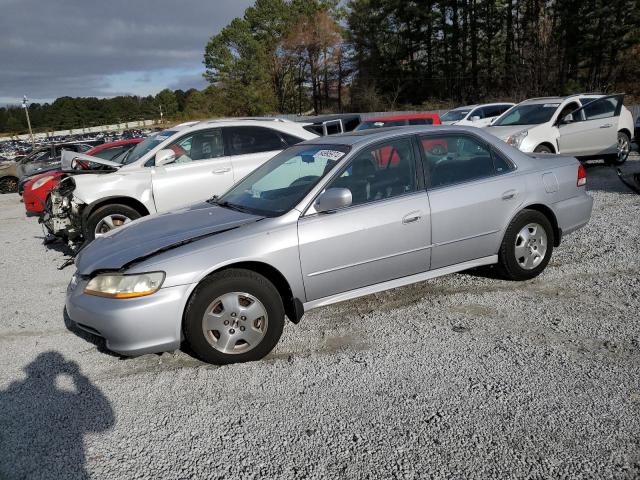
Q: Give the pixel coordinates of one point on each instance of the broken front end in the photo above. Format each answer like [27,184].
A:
[63,215]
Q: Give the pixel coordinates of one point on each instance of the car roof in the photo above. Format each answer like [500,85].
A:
[476,105]
[559,99]
[278,123]
[374,135]
[407,116]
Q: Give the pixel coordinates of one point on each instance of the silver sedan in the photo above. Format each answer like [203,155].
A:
[325,221]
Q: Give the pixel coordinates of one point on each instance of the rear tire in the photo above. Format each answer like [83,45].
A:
[244,329]
[624,147]
[526,247]
[107,218]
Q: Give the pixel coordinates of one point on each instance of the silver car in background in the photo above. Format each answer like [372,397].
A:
[327,220]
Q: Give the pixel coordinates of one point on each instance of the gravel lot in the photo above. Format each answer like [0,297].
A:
[460,377]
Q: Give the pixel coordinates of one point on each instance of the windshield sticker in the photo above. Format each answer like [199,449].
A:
[330,154]
[550,105]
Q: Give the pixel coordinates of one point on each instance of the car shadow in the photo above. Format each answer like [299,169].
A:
[45,417]
[603,177]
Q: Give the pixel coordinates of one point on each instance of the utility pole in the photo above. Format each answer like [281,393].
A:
[26,111]
[160,114]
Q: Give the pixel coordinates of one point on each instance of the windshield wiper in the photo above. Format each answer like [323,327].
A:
[233,206]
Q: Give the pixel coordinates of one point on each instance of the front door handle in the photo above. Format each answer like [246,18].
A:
[221,171]
[606,125]
[509,194]
[411,217]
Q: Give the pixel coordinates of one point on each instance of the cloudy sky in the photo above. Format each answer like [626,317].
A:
[104,48]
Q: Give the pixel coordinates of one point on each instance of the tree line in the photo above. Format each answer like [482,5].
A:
[313,56]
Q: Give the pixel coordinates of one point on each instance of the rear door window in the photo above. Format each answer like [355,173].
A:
[245,140]
[452,159]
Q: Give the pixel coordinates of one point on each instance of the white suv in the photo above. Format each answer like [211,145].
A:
[475,115]
[586,126]
[177,167]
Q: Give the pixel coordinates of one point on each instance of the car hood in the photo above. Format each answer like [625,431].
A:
[68,156]
[449,122]
[151,235]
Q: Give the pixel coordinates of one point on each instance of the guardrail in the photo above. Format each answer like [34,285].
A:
[116,127]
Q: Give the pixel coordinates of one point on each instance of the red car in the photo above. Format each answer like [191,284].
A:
[436,147]
[37,188]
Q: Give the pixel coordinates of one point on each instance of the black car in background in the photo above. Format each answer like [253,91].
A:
[46,158]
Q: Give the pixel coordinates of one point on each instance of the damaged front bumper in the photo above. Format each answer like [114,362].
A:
[63,216]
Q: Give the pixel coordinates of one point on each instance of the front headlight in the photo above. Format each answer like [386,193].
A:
[516,139]
[117,285]
[41,182]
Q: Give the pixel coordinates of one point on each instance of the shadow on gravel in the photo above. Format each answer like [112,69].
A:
[44,418]
[601,176]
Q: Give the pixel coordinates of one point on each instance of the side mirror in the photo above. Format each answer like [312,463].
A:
[566,119]
[163,157]
[332,199]
[475,118]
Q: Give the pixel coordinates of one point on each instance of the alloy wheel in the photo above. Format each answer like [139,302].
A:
[623,148]
[109,223]
[531,246]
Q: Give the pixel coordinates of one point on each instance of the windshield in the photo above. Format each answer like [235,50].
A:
[454,115]
[380,123]
[278,185]
[146,146]
[529,114]
[36,156]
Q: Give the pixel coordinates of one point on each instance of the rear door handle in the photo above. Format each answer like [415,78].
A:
[221,171]
[606,125]
[509,194]
[411,217]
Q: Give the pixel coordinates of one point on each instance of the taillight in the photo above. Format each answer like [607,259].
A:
[582,176]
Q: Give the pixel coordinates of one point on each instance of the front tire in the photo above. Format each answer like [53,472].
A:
[107,218]
[542,149]
[526,247]
[234,316]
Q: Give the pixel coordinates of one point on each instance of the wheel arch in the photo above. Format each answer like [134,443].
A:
[551,216]
[292,306]
[548,145]
[626,132]
[115,200]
